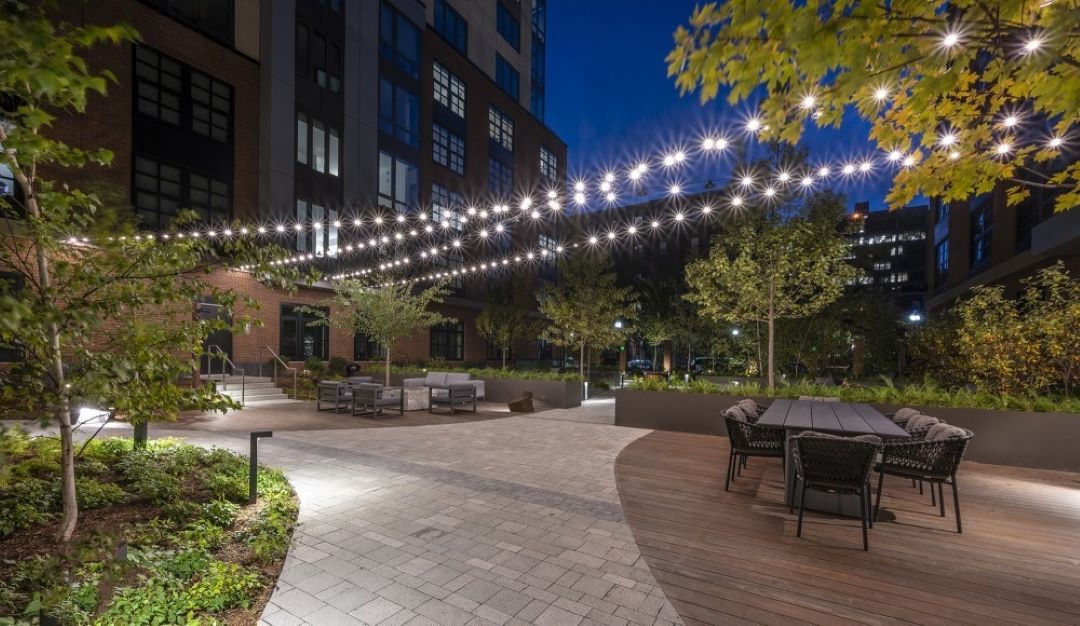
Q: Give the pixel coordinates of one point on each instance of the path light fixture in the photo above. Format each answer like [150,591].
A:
[253,464]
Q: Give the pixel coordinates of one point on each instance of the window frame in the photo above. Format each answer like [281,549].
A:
[299,320]
[450,92]
[500,128]
[446,336]
[451,26]
[507,77]
[507,21]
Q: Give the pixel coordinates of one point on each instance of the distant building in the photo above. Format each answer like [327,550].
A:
[890,247]
[982,240]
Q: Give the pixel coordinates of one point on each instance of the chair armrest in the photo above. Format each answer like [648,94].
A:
[413,382]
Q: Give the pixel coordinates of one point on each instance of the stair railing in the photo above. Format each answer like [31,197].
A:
[277,359]
[214,349]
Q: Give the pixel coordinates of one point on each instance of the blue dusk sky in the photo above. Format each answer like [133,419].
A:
[610,99]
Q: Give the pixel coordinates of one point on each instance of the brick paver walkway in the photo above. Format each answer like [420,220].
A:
[507,521]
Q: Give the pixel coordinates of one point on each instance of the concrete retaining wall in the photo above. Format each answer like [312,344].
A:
[1016,438]
[547,394]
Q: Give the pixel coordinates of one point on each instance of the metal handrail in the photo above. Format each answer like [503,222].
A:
[224,383]
[278,359]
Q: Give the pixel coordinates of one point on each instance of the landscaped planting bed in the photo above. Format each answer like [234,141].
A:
[165,534]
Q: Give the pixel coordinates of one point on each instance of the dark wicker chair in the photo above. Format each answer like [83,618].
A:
[749,440]
[931,460]
[835,465]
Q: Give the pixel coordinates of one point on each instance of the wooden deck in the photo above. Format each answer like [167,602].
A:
[733,558]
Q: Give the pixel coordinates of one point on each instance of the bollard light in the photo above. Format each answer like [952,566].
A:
[253,467]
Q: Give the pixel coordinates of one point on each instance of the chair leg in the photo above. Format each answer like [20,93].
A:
[739,465]
[877,503]
[802,503]
[727,477]
[941,497]
[956,504]
[933,495]
[862,511]
[920,488]
[866,504]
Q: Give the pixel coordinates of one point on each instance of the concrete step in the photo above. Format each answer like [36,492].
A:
[236,384]
[236,378]
[250,393]
[276,397]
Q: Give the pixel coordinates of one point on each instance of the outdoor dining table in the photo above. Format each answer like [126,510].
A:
[837,418]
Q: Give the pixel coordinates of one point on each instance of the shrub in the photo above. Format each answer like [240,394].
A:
[232,486]
[224,586]
[220,513]
[186,563]
[170,600]
[202,534]
[93,494]
[37,467]
[26,503]
[180,510]
[315,365]
[337,365]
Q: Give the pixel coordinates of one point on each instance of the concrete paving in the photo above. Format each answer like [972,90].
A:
[503,520]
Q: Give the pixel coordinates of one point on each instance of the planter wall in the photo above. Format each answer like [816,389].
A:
[547,394]
[1016,438]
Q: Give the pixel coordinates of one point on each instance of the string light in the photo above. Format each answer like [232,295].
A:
[579,186]
[1055,142]
[1010,121]
[881,94]
[947,139]
[753,124]
[950,39]
[807,102]
[675,190]
[1033,44]
[1003,148]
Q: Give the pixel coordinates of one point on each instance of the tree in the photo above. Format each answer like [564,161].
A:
[383,314]
[656,329]
[585,305]
[772,268]
[83,280]
[505,320]
[940,83]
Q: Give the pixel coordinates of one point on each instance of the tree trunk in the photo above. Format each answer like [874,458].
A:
[387,383]
[70,516]
[581,362]
[772,381]
[504,357]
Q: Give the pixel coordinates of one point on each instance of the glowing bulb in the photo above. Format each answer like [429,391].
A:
[535,215]
[721,144]
[655,224]
[807,102]
[609,177]
[784,177]
[865,166]
[579,186]
[400,218]
[807,181]
[262,230]
[552,195]
[499,228]
[736,201]
[280,228]
[675,190]
[753,125]
[848,170]
[680,156]
[379,220]
[706,209]
[611,197]
[881,94]
[553,205]
[631,230]
[1003,148]
[950,40]
[708,144]
[669,160]
[746,181]
[769,192]
[1010,121]
[635,174]
[1033,44]
[605,186]
[823,172]
[895,155]
[611,236]
[947,139]
[954,155]
[908,161]
[579,198]
[679,217]
[457,243]
[593,240]
[1055,142]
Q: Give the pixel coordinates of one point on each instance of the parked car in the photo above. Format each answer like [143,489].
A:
[639,365]
[702,364]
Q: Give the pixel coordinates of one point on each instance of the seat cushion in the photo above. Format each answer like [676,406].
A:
[874,439]
[435,379]
[735,413]
[941,430]
[904,414]
[456,377]
[918,421]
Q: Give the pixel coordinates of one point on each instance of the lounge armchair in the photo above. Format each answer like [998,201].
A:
[747,439]
[371,399]
[338,394]
[458,394]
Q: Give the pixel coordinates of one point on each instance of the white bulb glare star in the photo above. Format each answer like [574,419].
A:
[1033,44]
[579,198]
[769,192]
[605,186]
[526,202]
[593,240]
[753,125]
[579,186]
[947,139]
[611,236]
[895,155]
[807,181]
[954,155]
[680,156]
[865,166]
[611,197]
[807,102]
[609,177]
[746,181]
[679,217]
[675,190]
[1003,148]
[1055,142]
[736,201]
[631,230]
[823,172]
[783,177]
[1010,121]
[552,195]
[669,160]
[950,40]
[655,224]
[848,170]
[908,161]
[708,144]
[535,215]
[706,209]
[881,94]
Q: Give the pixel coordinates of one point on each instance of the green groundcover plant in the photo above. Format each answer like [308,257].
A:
[927,393]
[174,540]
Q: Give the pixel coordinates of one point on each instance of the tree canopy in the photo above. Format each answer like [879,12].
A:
[964,95]
[505,320]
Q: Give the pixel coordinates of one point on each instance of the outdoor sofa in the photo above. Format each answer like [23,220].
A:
[444,379]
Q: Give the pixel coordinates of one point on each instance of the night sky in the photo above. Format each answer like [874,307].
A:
[610,99]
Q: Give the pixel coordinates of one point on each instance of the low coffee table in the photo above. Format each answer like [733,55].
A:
[416,398]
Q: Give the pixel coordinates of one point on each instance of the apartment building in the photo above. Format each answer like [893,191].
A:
[318,112]
[890,247]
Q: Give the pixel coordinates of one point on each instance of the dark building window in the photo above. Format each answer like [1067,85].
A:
[501,128]
[399,112]
[211,106]
[500,177]
[161,190]
[322,238]
[366,349]
[448,149]
[299,339]
[449,89]
[451,26]
[508,25]
[448,341]
[158,84]
[7,181]
[398,183]
[11,284]
[549,164]
[507,77]
[399,40]
[318,58]
[213,18]
[536,100]
[982,227]
[318,145]
[447,206]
